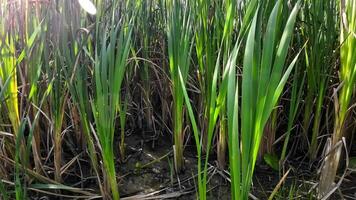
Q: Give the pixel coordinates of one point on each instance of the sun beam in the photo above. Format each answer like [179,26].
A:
[88,6]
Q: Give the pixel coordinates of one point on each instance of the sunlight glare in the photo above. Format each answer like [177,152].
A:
[88,6]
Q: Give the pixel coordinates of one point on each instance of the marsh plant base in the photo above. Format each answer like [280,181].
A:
[179,99]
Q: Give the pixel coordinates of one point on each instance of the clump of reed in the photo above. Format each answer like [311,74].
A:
[76,76]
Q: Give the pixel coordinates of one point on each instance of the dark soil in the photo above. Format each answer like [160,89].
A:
[147,172]
[160,180]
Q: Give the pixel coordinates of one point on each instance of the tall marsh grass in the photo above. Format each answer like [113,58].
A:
[179,34]
[91,88]
[109,70]
[343,97]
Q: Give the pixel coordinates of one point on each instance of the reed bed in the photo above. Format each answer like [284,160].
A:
[207,95]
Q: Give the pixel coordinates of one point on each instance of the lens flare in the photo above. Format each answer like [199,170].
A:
[88,6]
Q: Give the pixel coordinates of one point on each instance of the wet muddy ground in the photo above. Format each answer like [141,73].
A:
[148,171]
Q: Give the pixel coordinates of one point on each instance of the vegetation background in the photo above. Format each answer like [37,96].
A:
[177,99]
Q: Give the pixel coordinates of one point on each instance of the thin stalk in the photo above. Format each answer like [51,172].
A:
[228,7]
[320,32]
[75,51]
[342,101]
[296,97]
[57,87]
[179,34]
[113,47]
[263,80]
[32,61]
[8,61]
[145,22]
